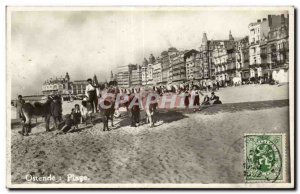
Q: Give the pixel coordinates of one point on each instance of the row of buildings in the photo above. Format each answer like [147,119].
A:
[64,86]
[262,54]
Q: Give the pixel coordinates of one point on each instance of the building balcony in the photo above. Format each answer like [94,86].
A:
[254,65]
[263,55]
[283,50]
[230,59]
[272,38]
[231,68]
[279,63]
[178,78]
[245,66]
[264,65]
[273,57]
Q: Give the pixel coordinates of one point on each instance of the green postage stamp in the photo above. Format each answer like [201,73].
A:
[264,157]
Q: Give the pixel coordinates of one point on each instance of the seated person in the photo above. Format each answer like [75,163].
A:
[213,96]
[206,100]
[68,124]
[77,114]
[217,101]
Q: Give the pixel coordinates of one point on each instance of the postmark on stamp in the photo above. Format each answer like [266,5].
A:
[264,157]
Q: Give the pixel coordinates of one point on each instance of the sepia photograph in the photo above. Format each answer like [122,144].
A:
[150,97]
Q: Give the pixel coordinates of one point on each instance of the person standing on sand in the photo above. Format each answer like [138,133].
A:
[56,111]
[195,94]
[186,98]
[19,105]
[59,99]
[91,93]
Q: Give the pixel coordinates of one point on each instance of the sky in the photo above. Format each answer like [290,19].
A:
[47,44]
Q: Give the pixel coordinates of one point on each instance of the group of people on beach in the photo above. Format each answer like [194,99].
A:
[83,113]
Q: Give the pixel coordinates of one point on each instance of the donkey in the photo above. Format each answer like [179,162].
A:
[36,109]
[107,110]
[149,98]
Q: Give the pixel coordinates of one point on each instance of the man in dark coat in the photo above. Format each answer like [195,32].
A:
[56,111]
[135,111]
[19,105]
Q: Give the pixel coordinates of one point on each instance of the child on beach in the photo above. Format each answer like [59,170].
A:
[86,111]
[213,96]
[206,100]
[217,101]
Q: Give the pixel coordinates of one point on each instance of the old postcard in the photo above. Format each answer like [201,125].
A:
[150,97]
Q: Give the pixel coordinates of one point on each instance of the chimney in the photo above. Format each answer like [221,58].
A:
[282,19]
[264,19]
[258,21]
[270,20]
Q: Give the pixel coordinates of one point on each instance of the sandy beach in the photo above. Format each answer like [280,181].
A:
[183,147]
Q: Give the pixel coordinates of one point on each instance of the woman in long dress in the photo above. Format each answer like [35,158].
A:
[196,94]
